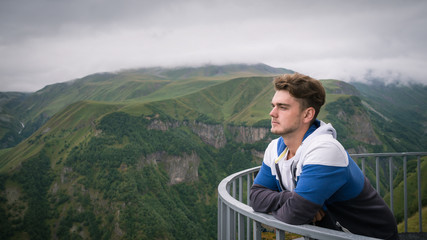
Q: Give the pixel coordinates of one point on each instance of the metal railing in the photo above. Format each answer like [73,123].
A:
[237,220]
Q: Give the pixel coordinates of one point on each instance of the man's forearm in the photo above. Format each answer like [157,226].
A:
[265,200]
[286,206]
[297,210]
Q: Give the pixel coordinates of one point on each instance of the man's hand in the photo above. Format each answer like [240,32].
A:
[319,215]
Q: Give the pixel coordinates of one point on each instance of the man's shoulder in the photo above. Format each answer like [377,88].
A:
[273,145]
[326,150]
[271,152]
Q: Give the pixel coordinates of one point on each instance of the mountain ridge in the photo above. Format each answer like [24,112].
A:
[142,85]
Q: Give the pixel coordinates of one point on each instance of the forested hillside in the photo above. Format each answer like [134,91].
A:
[398,112]
[139,154]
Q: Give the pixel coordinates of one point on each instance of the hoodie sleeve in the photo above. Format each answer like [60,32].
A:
[286,206]
[296,210]
[263,199]
[265,193]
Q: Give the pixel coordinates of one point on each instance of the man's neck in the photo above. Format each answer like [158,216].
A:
[293,142]
[292,147]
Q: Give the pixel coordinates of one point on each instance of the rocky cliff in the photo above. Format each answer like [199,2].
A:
[245,134]
[214,134]
[179,168]
[184,168]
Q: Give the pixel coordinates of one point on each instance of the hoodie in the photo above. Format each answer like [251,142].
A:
[321,175]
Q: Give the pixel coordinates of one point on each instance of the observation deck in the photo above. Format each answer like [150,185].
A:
[237,220]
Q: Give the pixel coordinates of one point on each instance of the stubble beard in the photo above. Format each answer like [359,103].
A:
[289,129]
[283,132]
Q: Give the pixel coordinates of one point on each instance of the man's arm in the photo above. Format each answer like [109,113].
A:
[264,194]
[297,210]
[263,199]
[266,200]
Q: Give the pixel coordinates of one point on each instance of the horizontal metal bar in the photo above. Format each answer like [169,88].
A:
[401,154]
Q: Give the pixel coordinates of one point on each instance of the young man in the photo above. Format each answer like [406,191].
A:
[307,176]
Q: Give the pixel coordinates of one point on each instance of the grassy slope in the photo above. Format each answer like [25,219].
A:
[414,223]
[241,101]
[220,102]
[231,99]
[141,85]
[405,106]
[63,131]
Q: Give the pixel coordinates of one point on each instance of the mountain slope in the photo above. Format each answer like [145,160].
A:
[398,112]
[141,85]
[60,134]
[10,126]
[97,157]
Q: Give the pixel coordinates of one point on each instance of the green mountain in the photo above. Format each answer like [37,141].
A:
[138,85]
[398,112]
[139,154]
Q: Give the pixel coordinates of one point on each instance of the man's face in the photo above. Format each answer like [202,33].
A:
[286,115]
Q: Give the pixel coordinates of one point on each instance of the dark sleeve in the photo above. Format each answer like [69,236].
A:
[296,210]
[286,206]
[263,199]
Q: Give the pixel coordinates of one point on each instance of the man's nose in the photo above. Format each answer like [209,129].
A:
[273,112]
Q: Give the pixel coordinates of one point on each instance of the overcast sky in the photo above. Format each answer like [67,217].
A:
[49,41]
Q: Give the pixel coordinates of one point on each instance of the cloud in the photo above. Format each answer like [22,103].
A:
[44,42]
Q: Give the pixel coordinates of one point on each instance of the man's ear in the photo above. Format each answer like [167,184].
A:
[309,114]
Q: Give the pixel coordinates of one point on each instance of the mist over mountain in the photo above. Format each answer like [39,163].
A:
[139,153]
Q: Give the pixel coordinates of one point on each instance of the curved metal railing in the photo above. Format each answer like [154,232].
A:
[237,220]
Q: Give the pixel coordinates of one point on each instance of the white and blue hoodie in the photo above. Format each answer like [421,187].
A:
[321,175]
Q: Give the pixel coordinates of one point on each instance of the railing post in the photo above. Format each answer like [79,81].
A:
[377,173]
[240,189]
[420,207]
[241,226]
[224,232]
[219,224]
[363,166]
[231,224]
[232,215]
[248,188]
[390,164]
[257,230]
[234,189]
[280,234]
[240,218]
[405,193]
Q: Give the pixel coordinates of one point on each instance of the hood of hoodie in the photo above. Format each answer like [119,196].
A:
[324,128]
